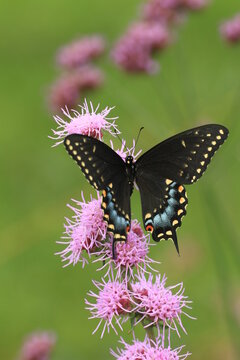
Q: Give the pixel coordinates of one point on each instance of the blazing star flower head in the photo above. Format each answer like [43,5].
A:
[87,77]
[84,233]
[230,30]
[163,11]
[147,350]
[194,5]
[130,255]
[38,346]
[126,151]
[88,122]
[112,301]
[157,303]
[151,34]
[132,56]
[64,92]
[80,51]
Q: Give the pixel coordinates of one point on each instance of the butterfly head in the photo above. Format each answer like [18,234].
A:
[129,160]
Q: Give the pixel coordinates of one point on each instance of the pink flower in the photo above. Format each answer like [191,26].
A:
[147,350]
[85,232]
[230,30]
[38,346]
[112,301]
[88,122]
[126,151]
[163,11]
[133,57]
[88,77]
[133,51]
[152,34]
[80,51]
[131,254]
[157,303]
[64,92]
[194,4]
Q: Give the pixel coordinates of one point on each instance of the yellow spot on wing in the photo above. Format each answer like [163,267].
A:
[221,131]
[74,152]
[83,163]
[168,181]
[209,148]
[147,216]
[111,226]
[219,137]
[169,232]
[79,157]
[70,147]
[68,142]
[175,222]
[206,156]
[180,211]
[183,143]
[198,170]
[182,200]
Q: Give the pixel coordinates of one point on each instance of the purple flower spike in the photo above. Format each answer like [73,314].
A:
[157,303]
[38,346]
[131,254]
[88,122]
[80,51]
[112,301]
[84,233]
[230,30]
[147,350]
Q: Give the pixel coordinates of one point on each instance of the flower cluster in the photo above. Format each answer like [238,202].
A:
[149,302]
[148,350]
[134,50]
[86,122]
[128,290]
[37,346]
[230,30]
[78,74]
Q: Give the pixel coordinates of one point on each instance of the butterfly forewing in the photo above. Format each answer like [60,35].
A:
[106,171]
[185,156]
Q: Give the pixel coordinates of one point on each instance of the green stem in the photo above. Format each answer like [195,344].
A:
[150,333]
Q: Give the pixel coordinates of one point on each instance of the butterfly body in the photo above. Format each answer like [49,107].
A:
[160,175]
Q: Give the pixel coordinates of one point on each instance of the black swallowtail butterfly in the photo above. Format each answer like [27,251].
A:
[160,174]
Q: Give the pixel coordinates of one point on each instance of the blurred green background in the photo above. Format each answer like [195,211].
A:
[199,82]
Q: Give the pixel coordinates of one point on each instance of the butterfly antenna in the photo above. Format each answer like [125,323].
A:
[121,141]
[138,136]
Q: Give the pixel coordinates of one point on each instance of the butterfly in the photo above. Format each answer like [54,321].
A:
[160,175]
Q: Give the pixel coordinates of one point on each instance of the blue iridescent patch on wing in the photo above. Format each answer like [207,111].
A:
[117,223]
[164,221]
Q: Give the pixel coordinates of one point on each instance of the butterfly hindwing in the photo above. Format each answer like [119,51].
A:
[185,156]
[105,170]
[162,214]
